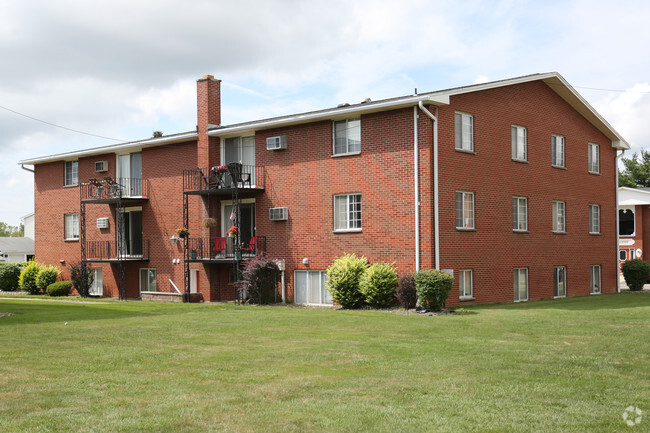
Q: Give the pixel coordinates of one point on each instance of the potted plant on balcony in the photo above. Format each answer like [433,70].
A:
[232,231]
[183,233]
[193,254]
[209,223]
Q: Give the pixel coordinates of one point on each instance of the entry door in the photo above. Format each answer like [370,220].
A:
[129,173]
[97,288]
[241,150]
[246,221]
[130,233]
[625,254]
[194,280]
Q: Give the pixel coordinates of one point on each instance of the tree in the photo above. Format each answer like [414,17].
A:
[636,173]
[11,231]
[157,134]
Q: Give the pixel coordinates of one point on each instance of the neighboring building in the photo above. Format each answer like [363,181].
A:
[633,223]
[509,185]
[28,225]
[16,250]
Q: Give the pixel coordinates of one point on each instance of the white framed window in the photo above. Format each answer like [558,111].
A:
[71,173]
[519,143]
[520,214]
[595,279]
[310,288]
[594,158]
[559,281]
[97,288]
[347,136]
[464,124]
[559,217]
[520,280]
[557,149]
[594,219]
[148,281]
[464,210]
[465,283]
[626,224]
[71,226]
[347,212]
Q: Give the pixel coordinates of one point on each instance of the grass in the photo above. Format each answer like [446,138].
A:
[567,365]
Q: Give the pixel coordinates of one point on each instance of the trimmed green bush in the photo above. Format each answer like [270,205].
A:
[61,288]
[48,275]
[433,287]
[9,275]
[343,280]
[406,294]
[377,284]
[636,273]
[260,280]
[27,279]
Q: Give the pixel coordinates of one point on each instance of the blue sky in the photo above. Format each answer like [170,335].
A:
[123,69]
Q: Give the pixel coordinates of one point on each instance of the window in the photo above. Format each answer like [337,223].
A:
[559,222]
[309,288]
[97,287]
[71,176]
[559,281]
[464,132]
[557,147]
[464,210]
[347,136]
[148,280]
[594,158]
[519,143]
[71,226]
[347,212]
[465,287]
[241,150]
[521,284]
[626,222]
[519,213]
[595,279]
[129,173]
[594,219]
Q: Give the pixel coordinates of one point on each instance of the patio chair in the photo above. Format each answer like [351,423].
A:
[220,247]
[235,170]
[250,249]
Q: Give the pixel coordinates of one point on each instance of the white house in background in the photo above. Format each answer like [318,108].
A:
[14,250]
[633,223]
[28,223]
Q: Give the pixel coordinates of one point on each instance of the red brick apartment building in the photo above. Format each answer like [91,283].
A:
[509,185]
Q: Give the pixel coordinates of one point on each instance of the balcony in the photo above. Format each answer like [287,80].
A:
[109,190]
[222,180]
[108,251]
[223,250]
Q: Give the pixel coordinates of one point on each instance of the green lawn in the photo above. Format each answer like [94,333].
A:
[569,365]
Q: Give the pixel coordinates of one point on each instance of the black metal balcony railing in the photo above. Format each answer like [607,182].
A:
[110,189]
[218,177]
[109,251]
[224,248]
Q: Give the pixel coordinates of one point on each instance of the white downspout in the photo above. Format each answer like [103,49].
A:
[618,239]
[416,182]
[436,208]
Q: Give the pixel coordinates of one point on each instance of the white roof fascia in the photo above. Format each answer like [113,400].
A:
[113,148]
[334,113]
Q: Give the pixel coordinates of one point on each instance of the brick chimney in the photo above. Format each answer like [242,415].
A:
[208,109]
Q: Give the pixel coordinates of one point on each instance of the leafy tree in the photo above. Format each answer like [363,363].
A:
[157,134]
[636,173]
[11,231]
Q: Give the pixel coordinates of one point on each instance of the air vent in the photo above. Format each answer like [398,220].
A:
[276,143]
[101,166]
[102,223]
[279,213]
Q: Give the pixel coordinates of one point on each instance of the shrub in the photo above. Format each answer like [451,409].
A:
[260,279]
[377,284]
[27,279]
[406,294]
[343,280]
[636,272]
[9,275]
[47,276]
[81,278]
[433,288]
[62,288]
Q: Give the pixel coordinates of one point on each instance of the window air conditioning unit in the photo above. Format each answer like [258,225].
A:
[279,213]
[276,143]
[101,166]
[102,223]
